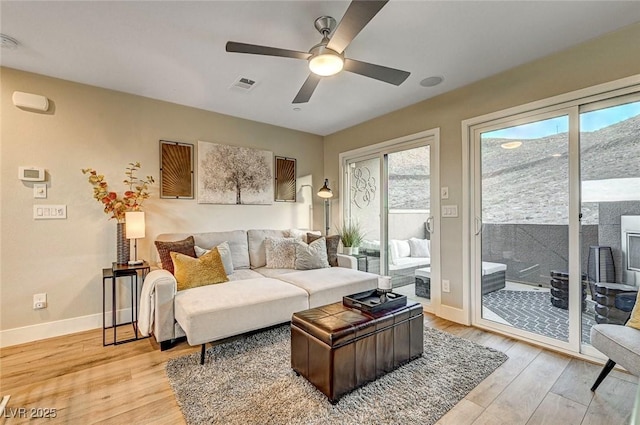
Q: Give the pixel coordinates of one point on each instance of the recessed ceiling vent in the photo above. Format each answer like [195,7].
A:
[243,84]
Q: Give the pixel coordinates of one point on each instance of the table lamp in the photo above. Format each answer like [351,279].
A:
[134,228]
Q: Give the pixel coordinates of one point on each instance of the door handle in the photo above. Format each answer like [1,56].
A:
[430,224]
[479,225]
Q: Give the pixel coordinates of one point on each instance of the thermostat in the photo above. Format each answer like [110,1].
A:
[32,174]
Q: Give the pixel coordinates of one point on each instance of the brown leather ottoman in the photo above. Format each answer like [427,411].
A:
[338,348]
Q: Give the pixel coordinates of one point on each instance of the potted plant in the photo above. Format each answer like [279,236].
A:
[351,235]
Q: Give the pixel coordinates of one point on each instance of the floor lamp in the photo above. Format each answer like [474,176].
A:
[326,194]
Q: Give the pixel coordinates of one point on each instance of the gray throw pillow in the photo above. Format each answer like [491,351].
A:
[225,254]
[311,256]
[332,247]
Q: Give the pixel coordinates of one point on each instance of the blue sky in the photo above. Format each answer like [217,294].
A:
[589,121]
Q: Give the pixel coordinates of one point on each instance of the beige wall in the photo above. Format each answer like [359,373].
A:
[92,127]
[608,58]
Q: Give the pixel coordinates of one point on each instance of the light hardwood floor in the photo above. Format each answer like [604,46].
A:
[88,383]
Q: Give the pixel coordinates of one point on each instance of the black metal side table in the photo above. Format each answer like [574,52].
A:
[113,273]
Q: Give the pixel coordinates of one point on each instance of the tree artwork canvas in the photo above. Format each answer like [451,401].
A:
[234,175]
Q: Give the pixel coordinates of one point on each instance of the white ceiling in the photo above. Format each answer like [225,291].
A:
[175,50]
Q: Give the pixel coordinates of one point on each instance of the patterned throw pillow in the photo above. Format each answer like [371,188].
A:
[634,320]
[332,247]
[184,246]
[281,252]
[193,272]
[225,253]
[311,256]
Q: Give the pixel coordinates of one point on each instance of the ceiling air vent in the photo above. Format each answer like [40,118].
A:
[243,84]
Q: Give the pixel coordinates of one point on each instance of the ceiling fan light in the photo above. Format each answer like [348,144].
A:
[326,64]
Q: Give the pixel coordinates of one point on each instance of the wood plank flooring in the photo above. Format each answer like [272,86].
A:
[90,384]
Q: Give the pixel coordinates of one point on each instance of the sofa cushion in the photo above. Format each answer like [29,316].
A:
[332,247]
[274,273]
[193,272]
[237,240]
[301,234]
[408,262]
[244,274]
[256,248]
[419,247]
[311,256]
[225,254]
[236,307]
[326,286]
[280,252]
[184,246]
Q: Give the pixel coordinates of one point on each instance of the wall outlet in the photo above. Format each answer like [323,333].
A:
[446,287]
[39,301]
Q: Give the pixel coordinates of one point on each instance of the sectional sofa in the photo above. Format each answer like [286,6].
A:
[255,297]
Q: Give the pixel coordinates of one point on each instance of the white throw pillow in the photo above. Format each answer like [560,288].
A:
[225,253]
[400,249]
[419,247]
[280,252]
[312,256]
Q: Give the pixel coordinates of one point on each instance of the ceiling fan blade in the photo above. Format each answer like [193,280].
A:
[377,72]
[357,16]
[254,49]
[307,89]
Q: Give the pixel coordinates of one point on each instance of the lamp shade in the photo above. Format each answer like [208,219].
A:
[324,191]
[134,222]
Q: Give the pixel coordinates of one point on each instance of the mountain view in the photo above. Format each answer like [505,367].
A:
[528,184]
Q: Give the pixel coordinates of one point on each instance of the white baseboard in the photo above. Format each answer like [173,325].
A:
[46,330]
[454,314]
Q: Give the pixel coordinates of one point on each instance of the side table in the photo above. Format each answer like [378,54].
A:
[113,273]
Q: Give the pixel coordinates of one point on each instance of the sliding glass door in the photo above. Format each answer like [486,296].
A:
[387,193]
[553,192]
[523,226]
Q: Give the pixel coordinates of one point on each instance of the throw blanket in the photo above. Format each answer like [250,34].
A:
[147,300]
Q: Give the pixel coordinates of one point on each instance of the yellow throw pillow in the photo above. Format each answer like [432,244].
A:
[193,272]
[634,320]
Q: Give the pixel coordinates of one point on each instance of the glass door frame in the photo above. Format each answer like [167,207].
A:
[381,150]
[572,100]
[573,343]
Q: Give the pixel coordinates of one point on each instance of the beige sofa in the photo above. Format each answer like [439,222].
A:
[255,297]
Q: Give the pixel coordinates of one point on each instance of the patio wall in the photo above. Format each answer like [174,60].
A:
[531,251]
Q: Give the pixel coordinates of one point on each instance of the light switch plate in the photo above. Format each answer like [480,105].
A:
[49,212]
[444,192]
[449,210]
[40,190]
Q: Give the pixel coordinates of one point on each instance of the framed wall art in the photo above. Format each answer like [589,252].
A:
[176,170]
[285,181]
[234,175]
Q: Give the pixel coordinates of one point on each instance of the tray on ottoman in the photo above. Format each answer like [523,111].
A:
[374,301]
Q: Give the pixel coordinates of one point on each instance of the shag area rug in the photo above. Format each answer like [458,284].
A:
[250,381]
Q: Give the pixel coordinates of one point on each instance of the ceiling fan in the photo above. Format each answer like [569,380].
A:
[327,57]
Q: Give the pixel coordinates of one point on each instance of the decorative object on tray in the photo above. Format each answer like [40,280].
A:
[117,205]
[234,175]
[352,235]
[176,170]
[374,300]
[285,179]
